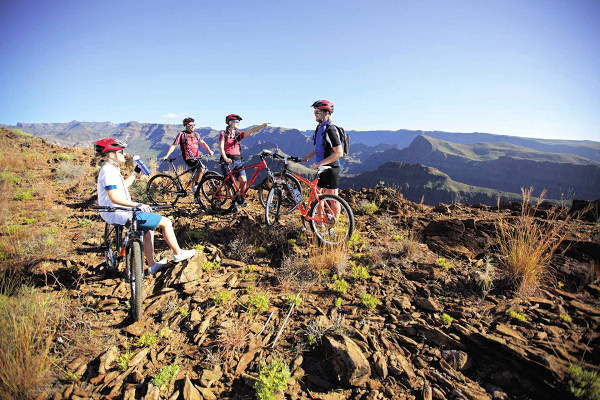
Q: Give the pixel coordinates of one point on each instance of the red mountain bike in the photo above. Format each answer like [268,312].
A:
[222,193]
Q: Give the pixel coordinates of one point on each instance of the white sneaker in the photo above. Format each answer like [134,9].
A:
[157,267]
[184,255]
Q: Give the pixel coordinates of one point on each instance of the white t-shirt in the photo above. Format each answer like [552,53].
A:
[110,178]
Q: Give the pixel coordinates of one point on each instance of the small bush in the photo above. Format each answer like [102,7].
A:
[148,339]
[565,318]
[65,156]
[294,299]
[340,285]
[369,301]
[442,262]
[23,195]
[209,266]
[584,384]
[9,177]
[257,304]
[271,377]
[166,374]
[338,302]
[67,172]
[447,320]
[367,207]
[356,242]
[123,361]
[222,298]
[165,333]
[516,315]
[360,273]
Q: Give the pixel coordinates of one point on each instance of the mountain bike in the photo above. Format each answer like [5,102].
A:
[126,241]
[329,216]
[167,189]
[222,193]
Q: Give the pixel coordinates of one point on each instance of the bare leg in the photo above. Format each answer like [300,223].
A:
[242,181]
[167,230]
[149,247]
[335,207]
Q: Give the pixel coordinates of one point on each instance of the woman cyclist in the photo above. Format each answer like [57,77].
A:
[113,191]
[229,145]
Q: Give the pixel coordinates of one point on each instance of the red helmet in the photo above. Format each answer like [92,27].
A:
[187,120]
[232,117]
[323,105]
[109,144]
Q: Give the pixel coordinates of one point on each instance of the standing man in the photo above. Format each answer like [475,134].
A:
[328,147]
[113,191]
[229,145]
[190,142]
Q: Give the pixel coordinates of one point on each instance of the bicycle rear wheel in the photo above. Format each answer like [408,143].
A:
[217,193]
[162,190]
[288,204]
[113,235]
[332,219]
[273,205]
[136,277]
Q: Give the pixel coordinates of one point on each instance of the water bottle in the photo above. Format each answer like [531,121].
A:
[297,195]
[140,163]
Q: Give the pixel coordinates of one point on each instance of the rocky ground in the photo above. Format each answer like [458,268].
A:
[447,324]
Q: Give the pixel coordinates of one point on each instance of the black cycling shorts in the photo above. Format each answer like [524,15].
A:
[330,179]
[193,163]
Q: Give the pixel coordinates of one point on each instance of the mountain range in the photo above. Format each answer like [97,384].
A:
[434,166]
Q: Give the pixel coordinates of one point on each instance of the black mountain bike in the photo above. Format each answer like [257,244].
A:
[167,189]
[127,242]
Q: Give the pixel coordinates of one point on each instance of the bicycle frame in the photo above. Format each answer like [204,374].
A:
[193,170]
[131,233]
[230,179]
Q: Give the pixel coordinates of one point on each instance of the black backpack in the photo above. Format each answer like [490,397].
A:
[344,137]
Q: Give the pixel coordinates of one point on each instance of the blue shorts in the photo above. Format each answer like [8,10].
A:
[147,221]
[236,164]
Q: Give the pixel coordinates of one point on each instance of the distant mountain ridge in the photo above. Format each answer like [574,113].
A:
[477,160]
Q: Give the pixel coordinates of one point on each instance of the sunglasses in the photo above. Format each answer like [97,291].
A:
[318,112]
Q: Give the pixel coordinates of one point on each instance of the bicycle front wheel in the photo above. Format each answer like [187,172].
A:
[136,277]
[288,204]
[217,193]
[162,190]
[273,205]
[331,219]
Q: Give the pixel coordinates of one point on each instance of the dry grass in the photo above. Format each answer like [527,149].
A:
[526,243]
[233,339]
[332,258]
[28,323]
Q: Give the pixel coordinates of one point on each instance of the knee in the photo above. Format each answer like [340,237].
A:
[165,223]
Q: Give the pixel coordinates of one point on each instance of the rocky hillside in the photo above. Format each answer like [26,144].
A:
[417,306]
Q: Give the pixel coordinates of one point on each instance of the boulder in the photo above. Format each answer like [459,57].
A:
[347,360]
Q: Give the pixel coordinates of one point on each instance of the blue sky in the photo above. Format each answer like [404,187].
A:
[526,68]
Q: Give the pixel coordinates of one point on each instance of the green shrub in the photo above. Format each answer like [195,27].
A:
[23,195]
[360,273]
[209,266]
[338,302]
[340,285]
[516,315]
[584,384]
[257,304]
[166,374]
[366,207]
[442,262]
[565,318]
[368,301]
[65,156]
[165,333]
[148,339]
[294,299]
[222,298]
[356,242]
[123,361]
[9,177]
[446,319]
[271,377]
